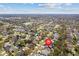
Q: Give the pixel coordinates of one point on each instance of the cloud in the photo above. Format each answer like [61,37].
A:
[68,4]
[49,5]
[54,5]
[3,7]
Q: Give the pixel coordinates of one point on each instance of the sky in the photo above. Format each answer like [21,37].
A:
[39,8]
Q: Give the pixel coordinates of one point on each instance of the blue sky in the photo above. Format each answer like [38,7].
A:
[39,8]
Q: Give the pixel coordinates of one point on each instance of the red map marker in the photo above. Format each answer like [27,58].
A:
[48,42]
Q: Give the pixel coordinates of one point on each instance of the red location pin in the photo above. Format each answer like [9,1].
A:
[48,42]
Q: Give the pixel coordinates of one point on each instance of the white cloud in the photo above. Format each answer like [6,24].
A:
[49,5]
[68,4]
[3,7]
[54,5]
